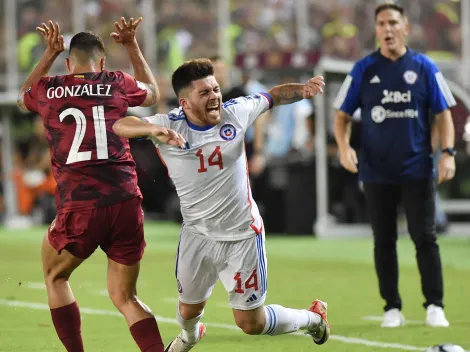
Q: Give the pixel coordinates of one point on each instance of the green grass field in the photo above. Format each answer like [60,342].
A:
[300,269]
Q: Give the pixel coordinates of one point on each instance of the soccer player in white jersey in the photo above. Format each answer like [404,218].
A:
[222,236]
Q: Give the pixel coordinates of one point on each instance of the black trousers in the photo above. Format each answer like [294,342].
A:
[417,198]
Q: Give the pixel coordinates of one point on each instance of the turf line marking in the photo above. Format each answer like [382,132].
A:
[172,300]
[378,318]
[36,285]
[160,319]
[103,293]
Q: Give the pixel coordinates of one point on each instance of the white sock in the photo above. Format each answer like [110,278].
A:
[280,320]
[190,327]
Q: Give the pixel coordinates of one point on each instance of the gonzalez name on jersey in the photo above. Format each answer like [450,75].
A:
[93,166]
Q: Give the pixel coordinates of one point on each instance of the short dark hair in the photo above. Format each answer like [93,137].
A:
[389,5]
[191,71]
[87,42]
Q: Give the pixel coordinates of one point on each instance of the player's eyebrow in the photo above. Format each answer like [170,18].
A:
[205,90]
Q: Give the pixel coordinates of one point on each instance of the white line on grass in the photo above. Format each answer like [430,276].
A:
[377,318]
[171,300]
[345,339]
[103,292]
[36,285]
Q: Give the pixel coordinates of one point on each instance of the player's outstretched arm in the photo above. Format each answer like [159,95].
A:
[125,34]
[293,92]
[55,45]
[133,127]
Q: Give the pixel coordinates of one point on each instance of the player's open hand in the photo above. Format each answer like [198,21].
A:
[446,170]
[313,87]
[168,136]
[54,40]
[125,31]
[348,159]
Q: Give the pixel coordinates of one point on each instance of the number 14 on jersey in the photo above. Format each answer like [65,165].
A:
[215,159]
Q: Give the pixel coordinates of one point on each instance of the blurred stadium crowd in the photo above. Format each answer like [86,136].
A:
[186,29]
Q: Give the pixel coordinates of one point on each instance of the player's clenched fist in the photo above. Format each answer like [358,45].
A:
[125,31]
[168,136]
[54,40]
[313,87]
[348,159]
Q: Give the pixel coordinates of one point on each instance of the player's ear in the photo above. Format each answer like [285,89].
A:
[102,63]
[183,103]
[67,64]
[407,25]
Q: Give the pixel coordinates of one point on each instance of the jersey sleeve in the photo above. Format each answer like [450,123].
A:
[247,109]
[33,94]
[439,95]
[160,120]
[135,90]
[349,95]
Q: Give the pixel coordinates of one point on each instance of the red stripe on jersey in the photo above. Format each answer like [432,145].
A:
[269,98]
[258,231]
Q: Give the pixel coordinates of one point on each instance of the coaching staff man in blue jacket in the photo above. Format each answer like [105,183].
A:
[401,93]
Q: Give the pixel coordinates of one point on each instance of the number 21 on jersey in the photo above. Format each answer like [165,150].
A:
[100,134]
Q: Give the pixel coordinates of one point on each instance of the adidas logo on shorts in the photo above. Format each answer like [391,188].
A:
[252,298]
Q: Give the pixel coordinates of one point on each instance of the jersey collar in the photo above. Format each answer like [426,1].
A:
[407,53]
[192,125]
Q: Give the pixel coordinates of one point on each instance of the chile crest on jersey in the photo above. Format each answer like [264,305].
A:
[228,132]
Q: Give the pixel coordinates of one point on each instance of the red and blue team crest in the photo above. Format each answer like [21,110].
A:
[228,132]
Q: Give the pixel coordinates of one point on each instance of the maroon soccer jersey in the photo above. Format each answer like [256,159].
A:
[93,166]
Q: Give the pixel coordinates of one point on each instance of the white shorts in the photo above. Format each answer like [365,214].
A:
[240,265]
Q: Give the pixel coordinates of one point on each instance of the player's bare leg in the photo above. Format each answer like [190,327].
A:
[122,283]
[276,320]
[65,313]
[188,316]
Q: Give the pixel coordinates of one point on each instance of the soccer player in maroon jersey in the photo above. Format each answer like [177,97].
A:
[98,200]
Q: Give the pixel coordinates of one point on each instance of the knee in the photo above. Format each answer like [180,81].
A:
[384,242]
[121,298]
[55,277]
[425,242]
[251,327]
[190,311]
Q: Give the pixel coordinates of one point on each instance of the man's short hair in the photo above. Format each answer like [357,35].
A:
[389,5]
[191,71]
[88,43]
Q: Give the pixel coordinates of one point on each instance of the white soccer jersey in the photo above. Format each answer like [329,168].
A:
[211,174]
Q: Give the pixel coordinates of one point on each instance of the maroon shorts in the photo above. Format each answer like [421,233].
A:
[118,229]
